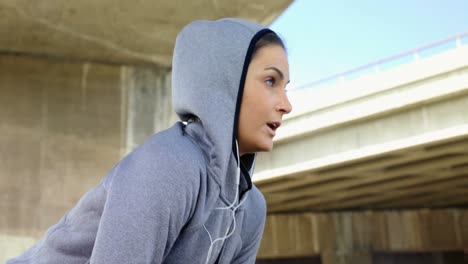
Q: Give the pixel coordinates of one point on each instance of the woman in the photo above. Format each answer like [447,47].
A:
[185,195]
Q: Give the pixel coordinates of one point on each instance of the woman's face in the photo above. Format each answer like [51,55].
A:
[264,101]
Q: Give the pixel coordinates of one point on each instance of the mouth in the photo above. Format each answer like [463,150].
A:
[273,126]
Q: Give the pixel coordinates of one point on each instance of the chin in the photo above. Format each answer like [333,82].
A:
[267,147]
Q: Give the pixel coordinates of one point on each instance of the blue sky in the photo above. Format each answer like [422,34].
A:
[327,37]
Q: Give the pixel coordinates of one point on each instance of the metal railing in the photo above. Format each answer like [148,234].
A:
[437,47]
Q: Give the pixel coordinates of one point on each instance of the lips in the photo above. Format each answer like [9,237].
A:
[274,125]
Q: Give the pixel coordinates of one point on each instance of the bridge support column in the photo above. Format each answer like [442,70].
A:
[352,241]
[149,105]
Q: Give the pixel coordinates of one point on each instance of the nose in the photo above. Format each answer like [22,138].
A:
[284,105]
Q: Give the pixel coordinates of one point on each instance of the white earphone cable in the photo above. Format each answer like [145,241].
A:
[231,207]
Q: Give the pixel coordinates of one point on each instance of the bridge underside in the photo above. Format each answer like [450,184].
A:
[427,175]
[374,166]
[360,237]
[403,144]
[114,31]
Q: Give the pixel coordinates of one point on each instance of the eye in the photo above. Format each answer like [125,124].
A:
[270,81]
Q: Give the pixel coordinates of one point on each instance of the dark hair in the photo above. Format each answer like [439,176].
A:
[266,40]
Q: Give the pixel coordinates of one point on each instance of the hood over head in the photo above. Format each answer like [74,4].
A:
[209,68]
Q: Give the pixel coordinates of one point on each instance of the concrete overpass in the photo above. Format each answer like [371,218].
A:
[359,161]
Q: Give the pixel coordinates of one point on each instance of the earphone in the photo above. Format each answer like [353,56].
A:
[233,207]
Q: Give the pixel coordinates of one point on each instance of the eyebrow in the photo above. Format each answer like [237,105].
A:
[278,71]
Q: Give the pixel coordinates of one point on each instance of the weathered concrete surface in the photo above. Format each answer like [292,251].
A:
[114,31]
[63,126]
[10,246]
[353,237]
[149,103]
[60,132]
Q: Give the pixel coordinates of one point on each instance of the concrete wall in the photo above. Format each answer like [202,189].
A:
[63,125]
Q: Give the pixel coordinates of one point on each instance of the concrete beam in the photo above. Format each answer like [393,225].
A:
[114,31]
[343,237]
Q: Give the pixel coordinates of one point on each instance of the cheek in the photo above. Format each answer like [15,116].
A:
[250,121]
[253,115]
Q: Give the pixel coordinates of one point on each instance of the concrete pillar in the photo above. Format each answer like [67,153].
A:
[149,107]
[60,132]
[63,126]
[352,241]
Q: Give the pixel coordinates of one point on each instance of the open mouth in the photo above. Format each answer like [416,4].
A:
[274,125]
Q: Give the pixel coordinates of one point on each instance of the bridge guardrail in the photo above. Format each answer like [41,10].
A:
[409,56]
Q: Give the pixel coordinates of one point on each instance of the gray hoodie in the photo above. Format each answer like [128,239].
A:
[182,196]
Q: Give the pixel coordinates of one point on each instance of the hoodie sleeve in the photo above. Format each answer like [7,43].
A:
[149,200]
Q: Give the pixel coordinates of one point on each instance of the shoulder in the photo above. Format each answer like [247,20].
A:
[166,161]
[170,147]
